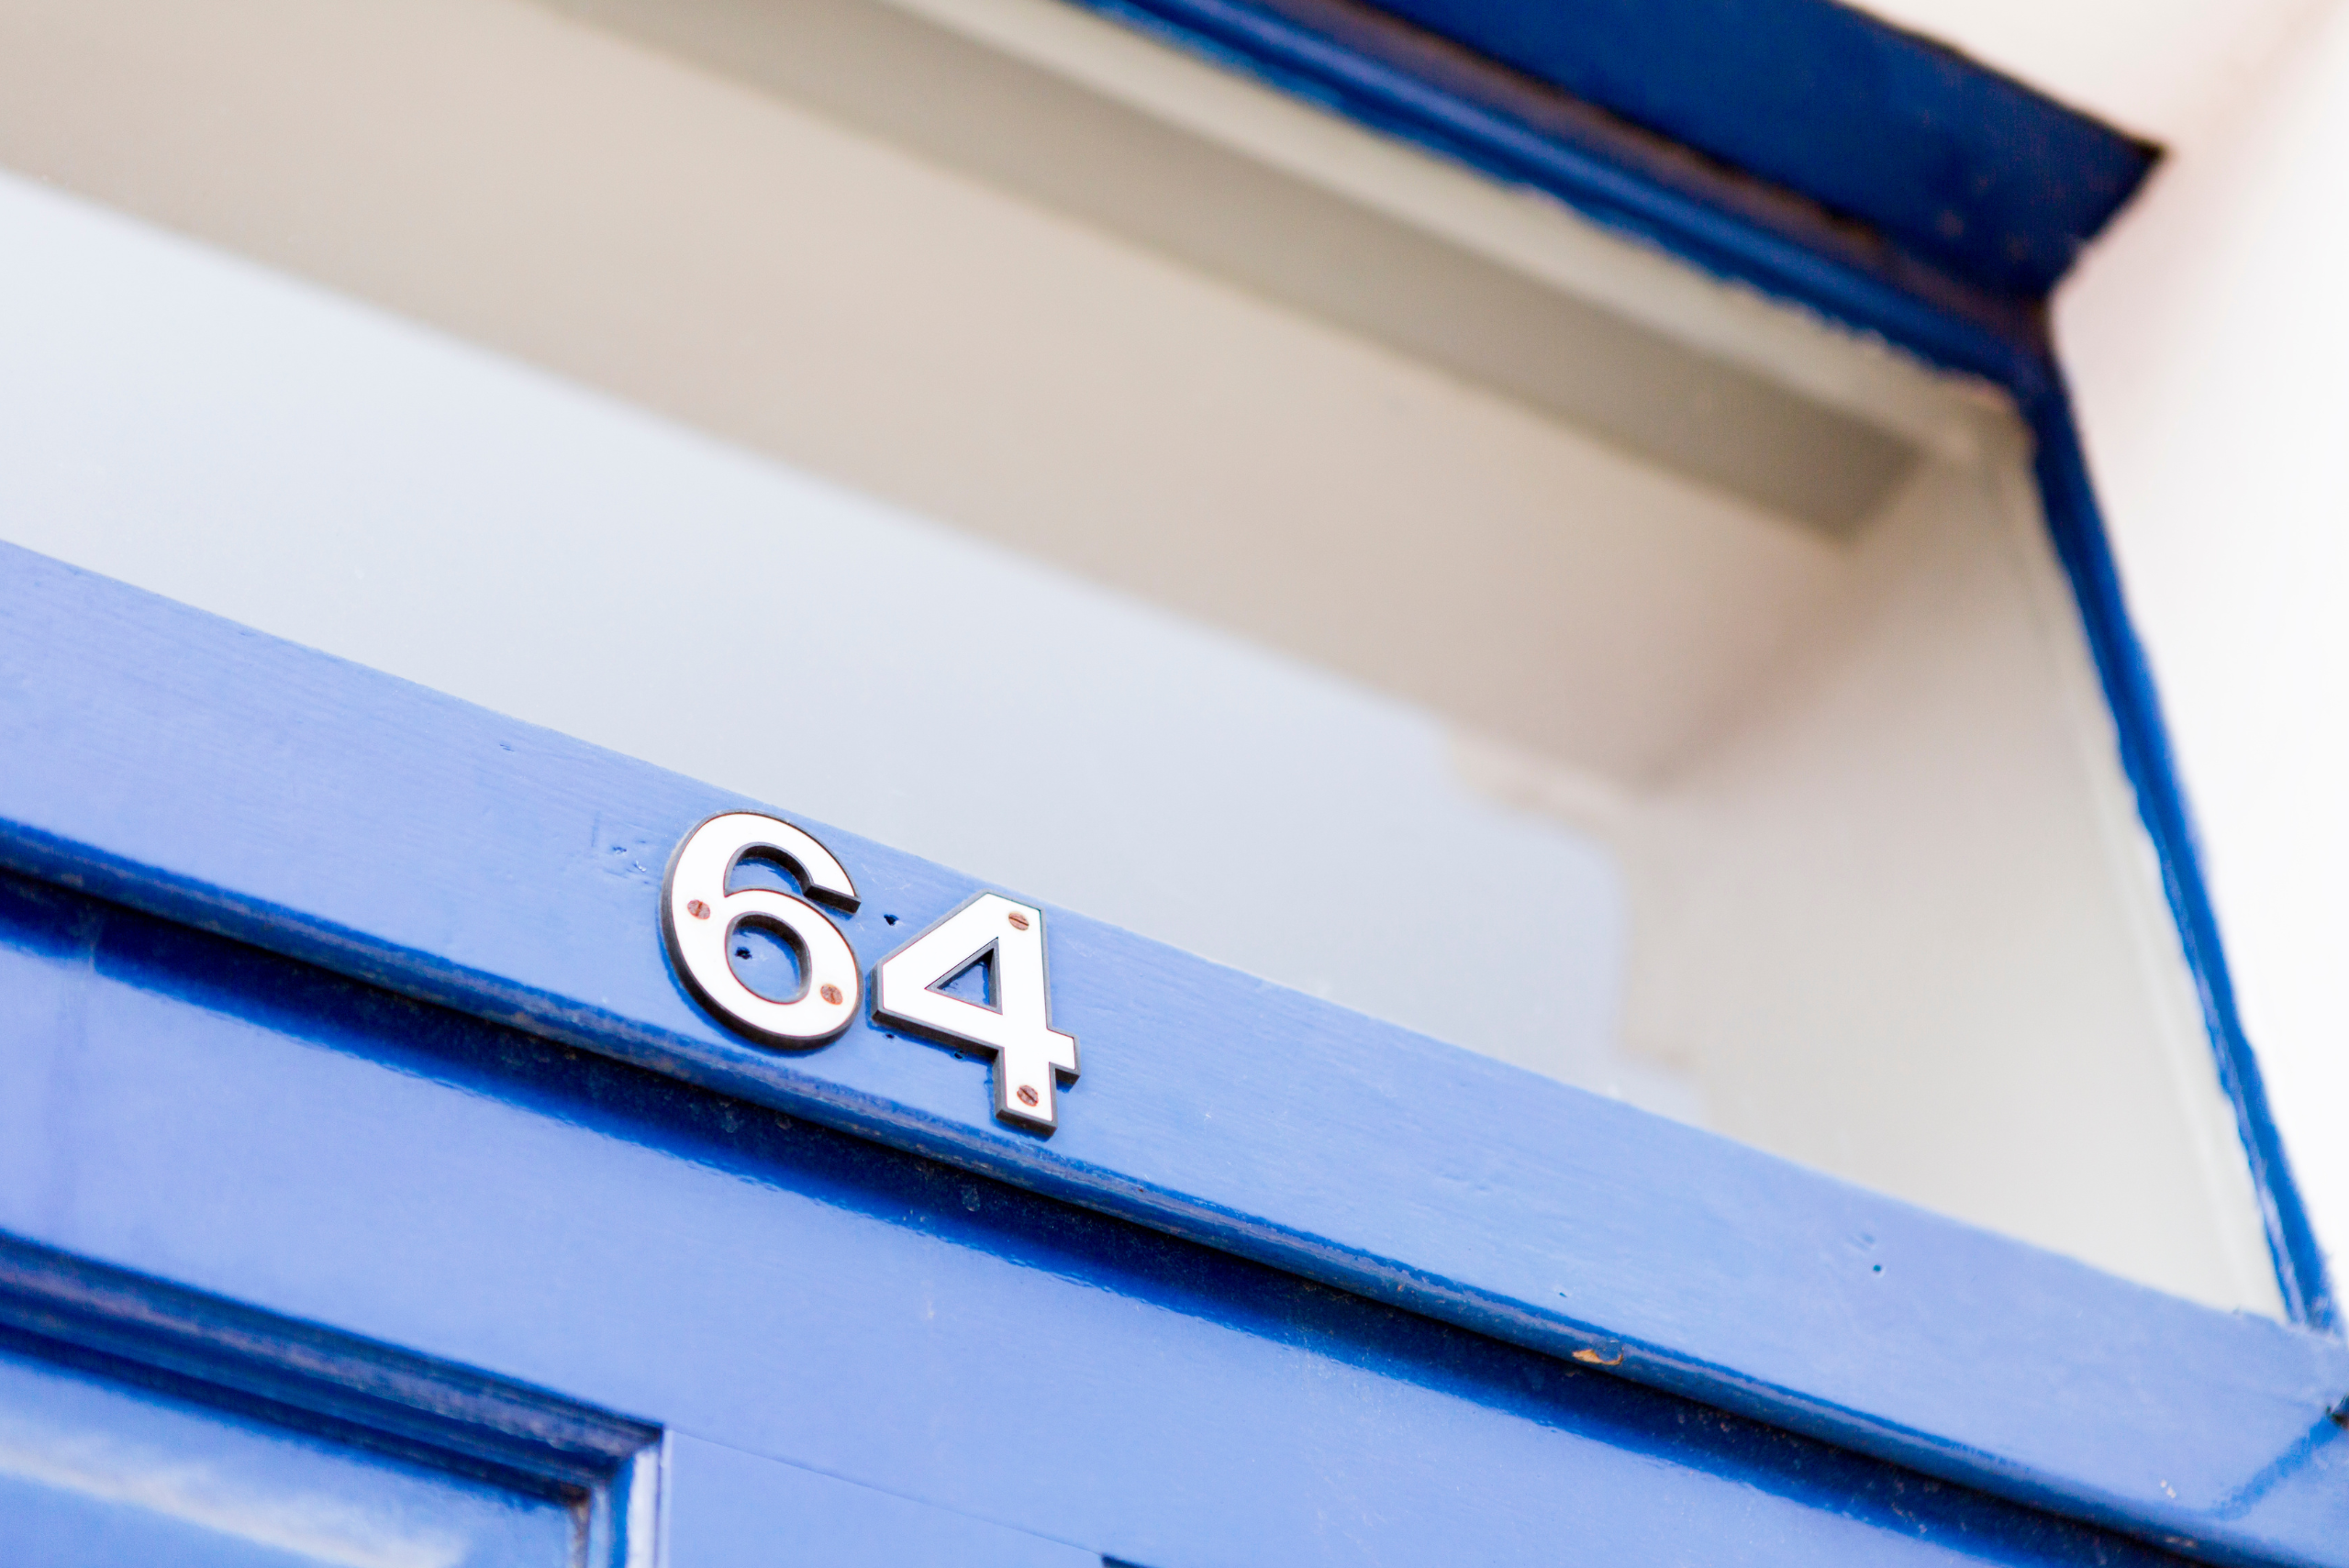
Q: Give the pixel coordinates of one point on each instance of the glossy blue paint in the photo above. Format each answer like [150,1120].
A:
[179,1426]
[1421,87]
[847,1345]
[93,1472]
[170,761]
[304,1440]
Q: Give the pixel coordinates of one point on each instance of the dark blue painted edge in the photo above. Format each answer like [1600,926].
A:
[1842,123]
[1958,164]
[1427,90]
[2075,522]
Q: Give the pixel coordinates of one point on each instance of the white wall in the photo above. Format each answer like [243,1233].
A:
[2208,339]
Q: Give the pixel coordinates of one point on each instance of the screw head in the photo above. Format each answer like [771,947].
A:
[1027,1095]
[830,993]
[697,909]
[1019,921]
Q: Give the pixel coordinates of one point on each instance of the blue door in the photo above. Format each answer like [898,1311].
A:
[381,1184]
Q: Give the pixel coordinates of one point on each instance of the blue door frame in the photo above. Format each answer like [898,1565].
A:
[337,1002]
[223,1356]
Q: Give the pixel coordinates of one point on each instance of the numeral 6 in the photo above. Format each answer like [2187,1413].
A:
[699,919]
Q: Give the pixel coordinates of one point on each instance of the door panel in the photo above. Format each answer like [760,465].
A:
[187,1107]
[95,1473]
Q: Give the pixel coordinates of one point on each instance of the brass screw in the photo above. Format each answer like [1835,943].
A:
[1027,1095]
[830,993]
[697,909]
[1019,922]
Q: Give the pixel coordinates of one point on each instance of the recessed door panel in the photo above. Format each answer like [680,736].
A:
[95,1472]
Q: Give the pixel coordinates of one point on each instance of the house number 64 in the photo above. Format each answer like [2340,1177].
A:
[701,918]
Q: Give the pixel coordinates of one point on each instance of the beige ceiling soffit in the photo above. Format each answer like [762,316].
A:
[1500,288]
[1524,229]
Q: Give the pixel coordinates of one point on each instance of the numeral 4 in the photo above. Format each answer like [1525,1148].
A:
[1031,1056]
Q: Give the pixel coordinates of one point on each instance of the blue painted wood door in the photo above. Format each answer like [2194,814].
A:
[853,1354]
[94,1471]
[363,1158]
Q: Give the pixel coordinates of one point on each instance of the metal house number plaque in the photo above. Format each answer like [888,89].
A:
[702,918]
